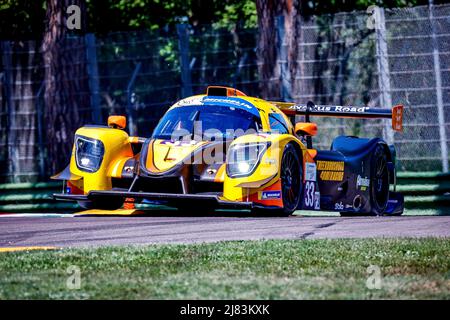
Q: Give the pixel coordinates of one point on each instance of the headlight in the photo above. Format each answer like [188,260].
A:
[88,153]
[242,159]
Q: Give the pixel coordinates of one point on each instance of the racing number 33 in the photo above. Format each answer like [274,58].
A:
[310,187]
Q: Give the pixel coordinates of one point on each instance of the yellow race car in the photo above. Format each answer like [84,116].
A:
[224,149]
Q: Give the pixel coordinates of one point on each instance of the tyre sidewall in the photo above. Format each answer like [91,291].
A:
[290,148]
[376,209]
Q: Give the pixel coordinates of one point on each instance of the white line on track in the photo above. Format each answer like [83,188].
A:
[35,215]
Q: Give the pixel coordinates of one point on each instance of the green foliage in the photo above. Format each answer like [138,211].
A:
[26,18]
[21,19]
[237,11]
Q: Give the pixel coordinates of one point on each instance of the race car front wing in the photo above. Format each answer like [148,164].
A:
[213,200]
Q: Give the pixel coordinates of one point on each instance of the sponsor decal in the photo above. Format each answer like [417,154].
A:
[231,102]
[310,171]
[237,103]
[332,175]
[330,165]
[266,195]
[362,183]
[316,200]
[342,109]
[189,101]
[331,170]
[339,206]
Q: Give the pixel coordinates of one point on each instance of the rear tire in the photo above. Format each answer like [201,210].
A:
[379,181]
[110,204]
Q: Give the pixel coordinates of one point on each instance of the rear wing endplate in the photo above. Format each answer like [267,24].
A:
[395,114]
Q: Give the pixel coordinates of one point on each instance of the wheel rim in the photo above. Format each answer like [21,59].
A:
[290,181]
[380,181]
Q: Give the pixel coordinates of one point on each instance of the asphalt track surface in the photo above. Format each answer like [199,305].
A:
[170,228]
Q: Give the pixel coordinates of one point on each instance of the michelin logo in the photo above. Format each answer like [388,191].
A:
[266,195]
[228,101]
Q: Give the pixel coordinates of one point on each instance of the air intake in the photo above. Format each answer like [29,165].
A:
[223,92]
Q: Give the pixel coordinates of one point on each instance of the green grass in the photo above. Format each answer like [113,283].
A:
[275,269]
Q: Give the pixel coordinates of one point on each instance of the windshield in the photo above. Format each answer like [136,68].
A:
[205,122]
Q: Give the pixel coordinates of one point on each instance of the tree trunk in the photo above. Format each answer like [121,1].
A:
[67,102]
[268,62]
[267,51]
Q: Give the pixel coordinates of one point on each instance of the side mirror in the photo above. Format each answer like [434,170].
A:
[117,122]
[306,128]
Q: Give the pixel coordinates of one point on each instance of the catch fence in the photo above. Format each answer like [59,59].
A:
[377,58]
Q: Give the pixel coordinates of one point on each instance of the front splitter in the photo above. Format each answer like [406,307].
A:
[210,200]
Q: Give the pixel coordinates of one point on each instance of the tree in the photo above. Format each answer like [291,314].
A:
[67,102]
[267,11]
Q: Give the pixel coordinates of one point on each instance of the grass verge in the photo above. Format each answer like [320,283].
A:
[275,269]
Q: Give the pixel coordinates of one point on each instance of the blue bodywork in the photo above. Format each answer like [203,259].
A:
[351,192]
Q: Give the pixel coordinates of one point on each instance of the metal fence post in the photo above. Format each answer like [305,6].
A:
[282,61]
[183,46]
[11,114]
[92,70]
[384,81]
[130,100]
[439,96]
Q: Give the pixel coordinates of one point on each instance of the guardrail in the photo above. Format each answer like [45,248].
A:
[32,197]
[422,191]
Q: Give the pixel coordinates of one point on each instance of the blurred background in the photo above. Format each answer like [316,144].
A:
[138,57]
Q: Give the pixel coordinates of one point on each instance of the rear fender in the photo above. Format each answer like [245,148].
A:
[357,154]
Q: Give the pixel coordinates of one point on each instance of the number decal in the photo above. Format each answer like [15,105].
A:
[317,200]
[310,188]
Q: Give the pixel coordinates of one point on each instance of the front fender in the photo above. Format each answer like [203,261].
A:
[266,174]
[116,147]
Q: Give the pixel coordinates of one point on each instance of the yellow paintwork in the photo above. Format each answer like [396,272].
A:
[117,149]
[164,155]
[115,169]
[119,212]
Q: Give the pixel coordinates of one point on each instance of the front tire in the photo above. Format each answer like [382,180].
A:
[291,180]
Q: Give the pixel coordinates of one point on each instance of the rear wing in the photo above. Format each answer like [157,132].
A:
[395,114]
